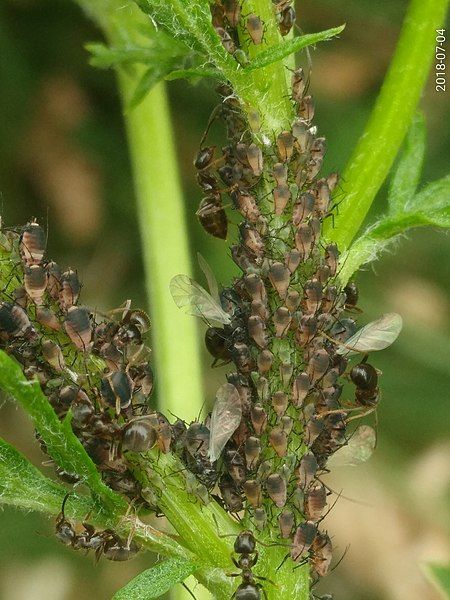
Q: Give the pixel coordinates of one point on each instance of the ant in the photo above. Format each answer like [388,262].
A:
[245,547]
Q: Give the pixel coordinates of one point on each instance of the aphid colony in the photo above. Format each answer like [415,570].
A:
[286,324]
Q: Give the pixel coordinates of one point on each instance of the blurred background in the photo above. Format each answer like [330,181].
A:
[63,159]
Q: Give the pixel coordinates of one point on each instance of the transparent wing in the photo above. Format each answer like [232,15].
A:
[376,335]
[190,296]
[225,419]
[358,449]
[210,278]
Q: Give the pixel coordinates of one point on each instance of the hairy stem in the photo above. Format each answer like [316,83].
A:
[390,119]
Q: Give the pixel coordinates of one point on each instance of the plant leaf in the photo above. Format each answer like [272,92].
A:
[156,581]
[62,444]
[435,196]
[439,575]
[192,73]
[104,57]
[23,485]
[277,53]
[407,174]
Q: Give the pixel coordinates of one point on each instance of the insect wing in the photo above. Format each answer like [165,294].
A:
[358,449]
[210,278]
[376,335]
[189,295]
[225,419]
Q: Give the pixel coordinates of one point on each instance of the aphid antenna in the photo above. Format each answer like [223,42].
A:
[340,495]
[188,590]
[213,116]
[341,559]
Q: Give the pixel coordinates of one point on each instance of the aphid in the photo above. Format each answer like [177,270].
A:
[252,449]
[306,470]
[230,494]
[280,173]
[303,208]
[306,109]
[235,466]
[117,390]
[255,159]
[196,439]
[252,239]
[78,327]
[257,331]
[47,318]
[260,518]
[285,145]
[376,335]
[259,419]
[70,289]
[255,28]
[196,301]
[292,260]
[139,435]
[298,84]
[253,492]
[304,239]
[307,330]
[286,371]
[212,217]
[32,244]
[53,355]
[246,205]
[242,358]
[321,554]
[286,20]
[300,388]
[226,39]
[225,419]
[351,295]
[318,365]
[303,539]
[255,287]
[357,450]
[14,321]
[315,501]
[313,295]
[277,489]
[279,276]
[281,196]
[278,440]
[365,378]
[282,321]
[286,522]
[204,157]
[280,402]
[114,548]
[54,279]
[232,11]
[313,428]
[20,297]
[302,135]
[217,15]
[323,200]
[35,282]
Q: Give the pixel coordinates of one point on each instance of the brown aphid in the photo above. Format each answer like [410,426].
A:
[53,355]
[303,136]
[230,494]
[217,15]
[259,419]
[286,20]
[322,197]
[286,370]
[307,330]
[264,361]
[257,331]
[282,320]
[20,297]
[329,298]
[292,260]
[252,449]
[164,434]
[318,365]
[306,109]
[32,244]
[253,492]
[298,84]
[54,279]
[286,522]
[281,196]
[14,321]
[304,240]
[280,402]
[306,470]
[255,287]
[313,295]
[277,489]
[259,309]
[263,389]
[255,28]
[321,554]
[287,423]
[255,159]
[242,358]
[78,327]
[235,465]
[260,518]
[232,11]
[246,204]
[303,208]
[323,273]
[300,389]
[212,217]
[313,428]
[204,157]
[280,173]
[252,240]
[303,539]
[332,181]
[70,289]
[35,282]
[285,145]
[292,300]
[279,276]
[315,501]
[139,435]
[279,441]
[226,39]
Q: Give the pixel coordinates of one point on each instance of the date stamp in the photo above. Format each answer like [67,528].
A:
[440,66]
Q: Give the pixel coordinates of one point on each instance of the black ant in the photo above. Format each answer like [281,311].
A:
[245,547]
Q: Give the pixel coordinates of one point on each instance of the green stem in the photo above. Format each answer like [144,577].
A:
[390,119]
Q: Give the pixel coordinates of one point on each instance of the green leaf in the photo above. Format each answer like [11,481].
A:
[150,78]
[22,485]
[407,174]
[440,576]
[435,196]
[277,53]
[62,444]
[156,581]
[105,57]
[192,73]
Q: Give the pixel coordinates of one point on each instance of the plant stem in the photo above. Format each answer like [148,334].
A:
[390,118]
